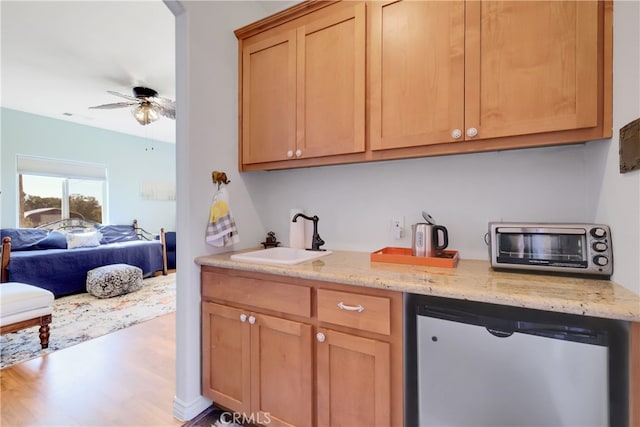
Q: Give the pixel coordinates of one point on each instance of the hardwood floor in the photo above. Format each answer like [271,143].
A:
[126,378]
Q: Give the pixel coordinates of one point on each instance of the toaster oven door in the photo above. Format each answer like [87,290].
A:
[560,248]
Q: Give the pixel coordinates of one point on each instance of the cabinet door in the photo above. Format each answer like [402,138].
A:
[531,66]
[331,82]
[281,371]
[417,72]
[269,98]
[353,380]
[225,357]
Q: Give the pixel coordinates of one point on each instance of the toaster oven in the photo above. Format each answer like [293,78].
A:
[583,249]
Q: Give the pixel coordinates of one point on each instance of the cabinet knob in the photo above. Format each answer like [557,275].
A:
[243,317]
[471,132]
[290,153]
[252,320]
[298,153]
[456,134]
[320,337]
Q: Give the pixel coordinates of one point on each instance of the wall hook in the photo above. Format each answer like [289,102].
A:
[219,178]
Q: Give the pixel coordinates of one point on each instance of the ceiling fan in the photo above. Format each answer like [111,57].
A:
[147,105]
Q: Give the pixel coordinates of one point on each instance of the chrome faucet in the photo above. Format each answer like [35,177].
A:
[316,241]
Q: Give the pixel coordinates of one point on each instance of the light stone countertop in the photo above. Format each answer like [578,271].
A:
[471,280]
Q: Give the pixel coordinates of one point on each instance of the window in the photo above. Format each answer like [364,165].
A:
[50,190]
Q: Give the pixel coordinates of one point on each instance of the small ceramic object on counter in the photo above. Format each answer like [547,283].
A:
[271,241]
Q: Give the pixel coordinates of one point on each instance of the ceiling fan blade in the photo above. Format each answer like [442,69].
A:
[169,113]
[164,100]
[121,95]
[114,105]
[166,109]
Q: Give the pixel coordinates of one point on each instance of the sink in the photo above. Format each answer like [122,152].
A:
[279,256]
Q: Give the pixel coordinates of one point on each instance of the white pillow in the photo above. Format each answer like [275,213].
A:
[83,240]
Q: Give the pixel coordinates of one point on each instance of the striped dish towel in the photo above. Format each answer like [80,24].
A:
[221,230]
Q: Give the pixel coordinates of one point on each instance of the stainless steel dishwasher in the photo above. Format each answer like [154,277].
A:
[475,364]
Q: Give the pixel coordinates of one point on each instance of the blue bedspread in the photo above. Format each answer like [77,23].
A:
[64,271]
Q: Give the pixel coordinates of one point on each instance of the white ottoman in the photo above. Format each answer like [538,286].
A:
[23,306]
[113,280]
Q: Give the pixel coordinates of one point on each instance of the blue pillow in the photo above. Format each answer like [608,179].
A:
[54,240]
[117,233]
[24,239]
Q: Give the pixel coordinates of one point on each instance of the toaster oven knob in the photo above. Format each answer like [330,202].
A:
[598,232]
[600,260]
[599,246]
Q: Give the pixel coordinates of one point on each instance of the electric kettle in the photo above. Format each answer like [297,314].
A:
[425,241]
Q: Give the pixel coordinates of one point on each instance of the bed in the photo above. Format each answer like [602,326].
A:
[58,255]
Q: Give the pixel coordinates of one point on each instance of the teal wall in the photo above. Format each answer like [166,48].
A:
[129,161]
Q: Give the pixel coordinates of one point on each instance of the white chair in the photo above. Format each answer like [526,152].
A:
[23,306]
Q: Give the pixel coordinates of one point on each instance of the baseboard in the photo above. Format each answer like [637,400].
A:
[185,411]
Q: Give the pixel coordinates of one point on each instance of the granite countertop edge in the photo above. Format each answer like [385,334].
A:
[472,280]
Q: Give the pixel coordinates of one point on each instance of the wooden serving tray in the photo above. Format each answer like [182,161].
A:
[446,258]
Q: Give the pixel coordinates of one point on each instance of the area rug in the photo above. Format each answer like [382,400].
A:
[82,317]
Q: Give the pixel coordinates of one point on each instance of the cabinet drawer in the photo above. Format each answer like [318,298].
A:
[358,311]
[280,297]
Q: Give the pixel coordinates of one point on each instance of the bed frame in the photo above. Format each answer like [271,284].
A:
[68,224]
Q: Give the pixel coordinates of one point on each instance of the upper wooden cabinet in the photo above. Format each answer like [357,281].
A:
[441,77]
[269,98]
[531,67]
[303,87]
[417,72]
[453,71]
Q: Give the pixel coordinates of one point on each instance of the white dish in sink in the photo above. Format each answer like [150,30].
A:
[279,256]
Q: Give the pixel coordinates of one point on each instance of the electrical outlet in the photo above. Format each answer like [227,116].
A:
[397,222]
[397,227]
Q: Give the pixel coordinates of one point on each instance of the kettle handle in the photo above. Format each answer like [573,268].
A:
[445,236]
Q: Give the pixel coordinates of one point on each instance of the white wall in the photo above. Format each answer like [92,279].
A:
[207,92]
[616,196]
[129,160]
[356,202]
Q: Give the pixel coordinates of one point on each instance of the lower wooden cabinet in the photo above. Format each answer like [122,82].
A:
[332,359]
[225,357]
[281,371]
[354,380]
[258,364]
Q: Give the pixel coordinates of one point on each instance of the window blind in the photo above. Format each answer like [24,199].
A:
[30,165]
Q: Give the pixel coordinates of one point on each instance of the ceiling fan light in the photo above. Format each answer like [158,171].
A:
[145,114]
